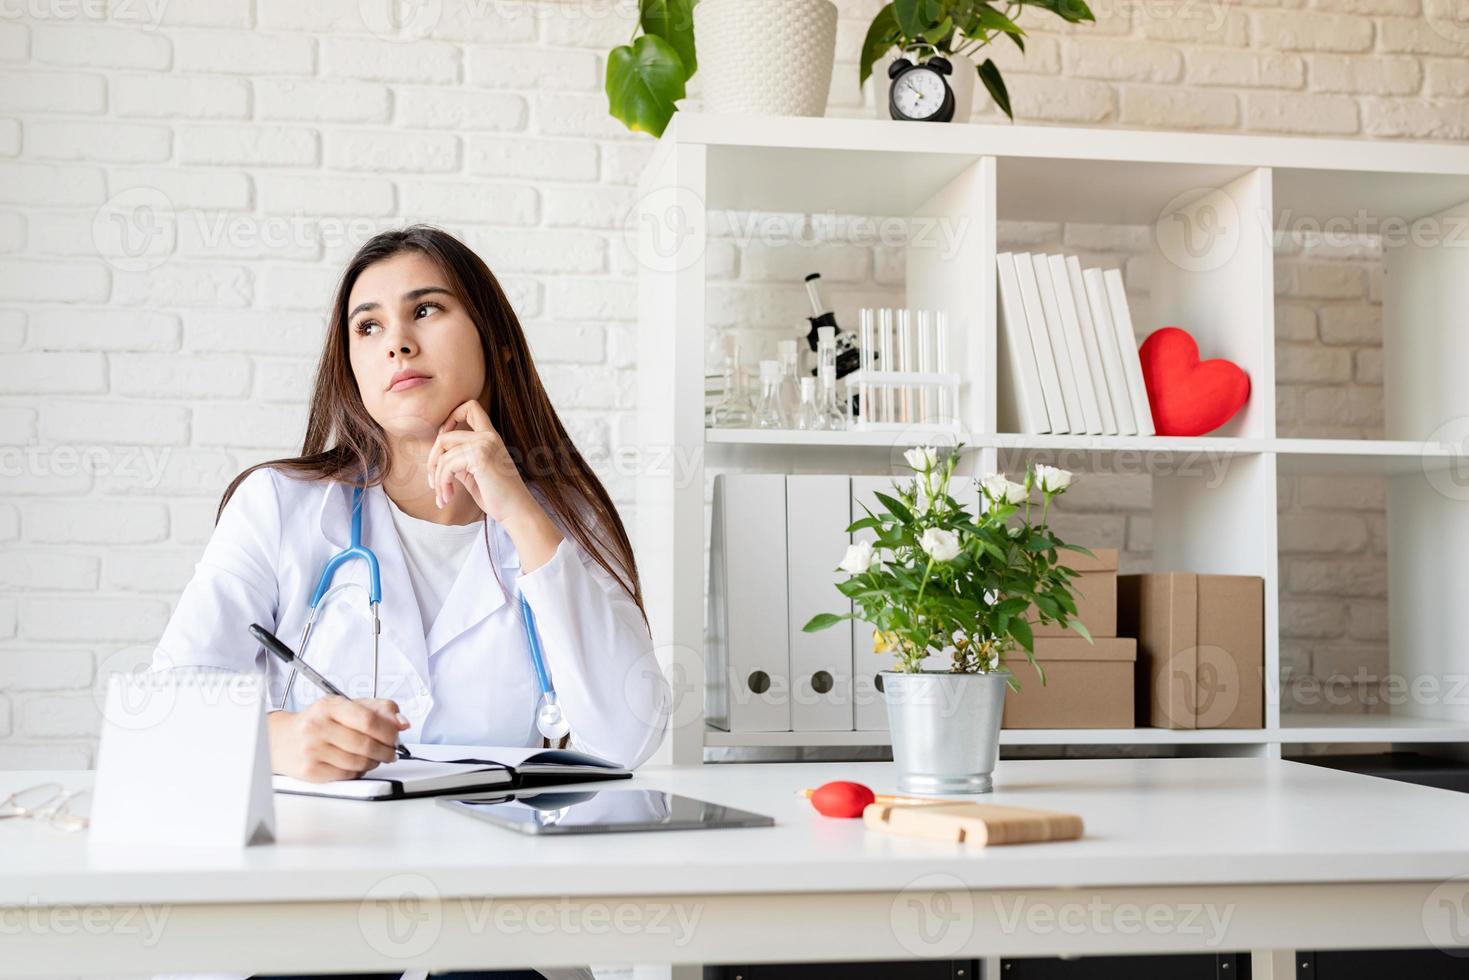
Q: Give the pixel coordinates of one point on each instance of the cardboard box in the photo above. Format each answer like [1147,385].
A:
[1088,685]
[1201,648]
[1096,594]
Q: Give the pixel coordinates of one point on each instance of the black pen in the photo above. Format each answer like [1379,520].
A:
[272,643]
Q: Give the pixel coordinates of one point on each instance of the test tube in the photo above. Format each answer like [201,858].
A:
[864,360]
[885,357]
[947,412]
[905,362]
[925,363]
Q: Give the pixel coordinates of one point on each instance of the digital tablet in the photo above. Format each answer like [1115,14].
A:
[604,811]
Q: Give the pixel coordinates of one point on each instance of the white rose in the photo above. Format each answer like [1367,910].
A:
[939,544]
[1052,479]
[1001,490]
[858,558]
[922,458]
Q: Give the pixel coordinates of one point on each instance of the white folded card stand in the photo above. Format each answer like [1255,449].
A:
[184,760]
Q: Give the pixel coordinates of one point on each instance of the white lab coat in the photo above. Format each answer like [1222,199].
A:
[468,680]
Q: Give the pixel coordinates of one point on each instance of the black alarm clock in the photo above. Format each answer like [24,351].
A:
[920,92]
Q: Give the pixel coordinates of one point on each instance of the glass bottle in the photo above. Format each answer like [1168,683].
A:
[790,391]
[808,416]
[768,414]
[735,409]
[826,349]
[835,419]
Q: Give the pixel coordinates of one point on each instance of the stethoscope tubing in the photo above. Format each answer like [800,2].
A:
[356,549]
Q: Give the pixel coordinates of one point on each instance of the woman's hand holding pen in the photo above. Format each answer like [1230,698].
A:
[334,737]
[476,458]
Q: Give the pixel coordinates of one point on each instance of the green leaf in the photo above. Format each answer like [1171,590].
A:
[882,35]
[991,19]
[823,621]
[1071,11]
[1020,629]
[895,508]
[672,20]
[644,81]
[938,33]
[910,16]
[990,75]
[1080,628]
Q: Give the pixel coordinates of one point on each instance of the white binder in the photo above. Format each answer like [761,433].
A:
[1090,293]
[1022,406]
[184,760]
[1127,343]
[818,510]
[1071,296]
[1046,359]
[748,643]
[1076,389]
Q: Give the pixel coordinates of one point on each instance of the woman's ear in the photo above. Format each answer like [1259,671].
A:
[505,355]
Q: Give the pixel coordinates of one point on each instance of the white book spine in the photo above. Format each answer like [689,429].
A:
[1095,294]
[1081,421]
[1127,341]
[1086,393]
[1073,304]
[1040,340]
[749,642]
[1022,406]
[818,510]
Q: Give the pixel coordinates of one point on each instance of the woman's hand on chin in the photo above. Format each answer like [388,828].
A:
[468,452]
[475,458]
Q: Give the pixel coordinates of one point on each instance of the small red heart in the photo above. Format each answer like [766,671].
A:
[1189,397]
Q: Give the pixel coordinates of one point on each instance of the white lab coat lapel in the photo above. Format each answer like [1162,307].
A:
[476,593]
[398,614]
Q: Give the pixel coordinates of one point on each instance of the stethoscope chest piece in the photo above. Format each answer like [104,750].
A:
[550,721]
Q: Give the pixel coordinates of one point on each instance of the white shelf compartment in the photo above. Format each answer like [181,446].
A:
[977,175]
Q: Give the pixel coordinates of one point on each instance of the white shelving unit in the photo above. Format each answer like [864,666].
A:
[1238,187]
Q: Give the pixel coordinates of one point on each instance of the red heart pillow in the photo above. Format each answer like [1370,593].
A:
[1189,397]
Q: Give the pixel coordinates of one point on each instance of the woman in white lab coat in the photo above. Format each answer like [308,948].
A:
[426,394]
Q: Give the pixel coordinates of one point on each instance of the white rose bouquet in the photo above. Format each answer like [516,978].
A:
[937,576]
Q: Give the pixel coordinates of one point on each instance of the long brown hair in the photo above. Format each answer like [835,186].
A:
[343,442]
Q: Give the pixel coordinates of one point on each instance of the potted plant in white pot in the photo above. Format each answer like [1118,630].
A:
[937,577]
[957,30]
[761,57]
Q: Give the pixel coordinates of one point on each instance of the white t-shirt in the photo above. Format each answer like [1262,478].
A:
[434,553]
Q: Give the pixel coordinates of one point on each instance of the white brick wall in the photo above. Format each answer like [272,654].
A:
[285,132]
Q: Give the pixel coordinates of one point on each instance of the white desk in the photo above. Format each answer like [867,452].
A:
[1180,855]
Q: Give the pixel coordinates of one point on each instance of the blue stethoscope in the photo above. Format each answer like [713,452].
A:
[550,722]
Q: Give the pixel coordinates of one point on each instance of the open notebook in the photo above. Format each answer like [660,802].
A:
[436,770]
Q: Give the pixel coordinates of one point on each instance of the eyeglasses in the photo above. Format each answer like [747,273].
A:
[50,802]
